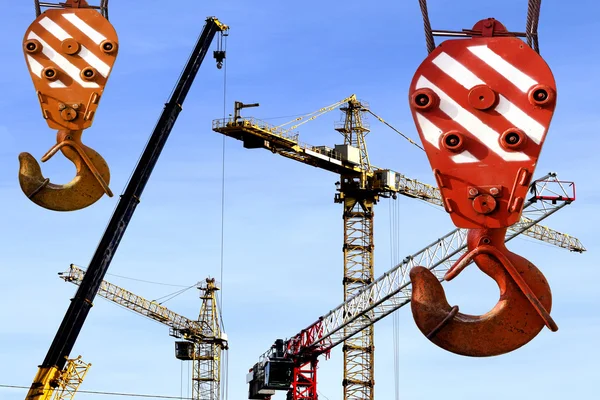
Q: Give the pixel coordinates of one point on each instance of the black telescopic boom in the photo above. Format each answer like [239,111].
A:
[82,302]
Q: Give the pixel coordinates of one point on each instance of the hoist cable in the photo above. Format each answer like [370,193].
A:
[97,392]
[223,188]
[427,25]
[224,388]
[171,296]
[531,26]
[394,129]
[145,281]
[536,19]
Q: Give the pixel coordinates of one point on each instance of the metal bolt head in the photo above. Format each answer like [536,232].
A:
[494,191]
[473,192]
[61,106]
[75,106]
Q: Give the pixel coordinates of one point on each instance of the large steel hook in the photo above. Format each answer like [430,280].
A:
[89,184]
[520,314]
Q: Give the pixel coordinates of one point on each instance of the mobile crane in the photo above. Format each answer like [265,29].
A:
[360,186]
[291,365]
[52,371]
[203,340]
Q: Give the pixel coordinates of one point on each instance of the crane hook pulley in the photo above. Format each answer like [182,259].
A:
[70,50]
[483,107]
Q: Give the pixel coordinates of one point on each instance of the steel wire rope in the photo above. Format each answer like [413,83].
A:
[174,294]
[145,281]
[536,5]
[105,393]
[225,392]
[427,25]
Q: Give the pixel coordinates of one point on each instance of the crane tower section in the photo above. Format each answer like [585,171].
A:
[206,354]
[358,200]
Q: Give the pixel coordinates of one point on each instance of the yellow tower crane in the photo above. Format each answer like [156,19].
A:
[360,187]
[204,341]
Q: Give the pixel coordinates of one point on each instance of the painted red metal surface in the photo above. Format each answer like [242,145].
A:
[70,53]
[523,308]
[482,107]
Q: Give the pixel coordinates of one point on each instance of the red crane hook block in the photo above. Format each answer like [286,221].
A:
[70,52]
[482,107]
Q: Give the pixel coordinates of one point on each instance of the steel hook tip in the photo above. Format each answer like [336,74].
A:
[88,186]
[520,314]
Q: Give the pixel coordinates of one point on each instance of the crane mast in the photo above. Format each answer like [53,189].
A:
[52,370]
[206,375]
[204,341]
[287,364]
[358,200]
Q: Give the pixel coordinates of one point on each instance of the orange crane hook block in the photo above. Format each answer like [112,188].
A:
[70,51]
[482,107]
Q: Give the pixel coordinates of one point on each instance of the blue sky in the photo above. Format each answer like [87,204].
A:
[283,233]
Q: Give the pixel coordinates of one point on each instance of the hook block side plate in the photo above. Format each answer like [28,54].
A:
[70,53]
[482,107]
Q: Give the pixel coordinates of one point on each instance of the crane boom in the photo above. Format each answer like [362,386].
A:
[386,294]
[259,134]
[179,325]
[51,369]
[204,338]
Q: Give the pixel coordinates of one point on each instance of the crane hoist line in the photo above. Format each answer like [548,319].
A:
[52,370]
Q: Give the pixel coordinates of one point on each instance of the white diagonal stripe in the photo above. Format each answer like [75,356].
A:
[484,133]
[54,28]
[100,66]
[503,67]
[432,134]
[533,129]
[59,33]
[457,71]
[37,69]
[461,74]
[464,157]
[90,32]
[62,62]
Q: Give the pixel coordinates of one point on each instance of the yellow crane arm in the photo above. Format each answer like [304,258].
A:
[180,326]
[345,160]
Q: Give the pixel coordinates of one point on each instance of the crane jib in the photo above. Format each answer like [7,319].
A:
[80,305]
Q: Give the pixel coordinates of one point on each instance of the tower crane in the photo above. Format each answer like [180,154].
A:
[54,370]
[360,187]
[291,364]
[203,340]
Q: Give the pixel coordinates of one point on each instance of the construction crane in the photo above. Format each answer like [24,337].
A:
[52,371]
[291,364]
[360,186]
[204,340]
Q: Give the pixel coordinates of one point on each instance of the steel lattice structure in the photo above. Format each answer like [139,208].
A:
[206,376]
[392,290]
[358,202]
[204,335]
